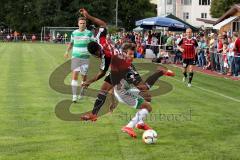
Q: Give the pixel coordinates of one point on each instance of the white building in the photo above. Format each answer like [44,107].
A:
[195,12]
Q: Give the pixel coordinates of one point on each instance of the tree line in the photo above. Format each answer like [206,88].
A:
[31,15]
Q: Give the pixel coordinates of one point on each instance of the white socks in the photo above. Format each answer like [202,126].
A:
[74,87]
[138,118]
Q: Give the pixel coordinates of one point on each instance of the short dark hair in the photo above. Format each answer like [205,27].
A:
[93,47]
[127,46]
[82,18]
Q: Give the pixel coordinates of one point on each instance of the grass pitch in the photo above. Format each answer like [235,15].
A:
[202,122]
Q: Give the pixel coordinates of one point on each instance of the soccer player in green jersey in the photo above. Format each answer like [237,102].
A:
[80,55]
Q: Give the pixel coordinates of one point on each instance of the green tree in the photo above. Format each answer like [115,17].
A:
[130,11]
[31,15]
[219,7]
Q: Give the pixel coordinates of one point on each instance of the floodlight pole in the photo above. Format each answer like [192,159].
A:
[116,13]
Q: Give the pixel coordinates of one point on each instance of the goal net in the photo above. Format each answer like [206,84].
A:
[56,34]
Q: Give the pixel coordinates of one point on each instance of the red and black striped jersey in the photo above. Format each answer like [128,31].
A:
[189,46]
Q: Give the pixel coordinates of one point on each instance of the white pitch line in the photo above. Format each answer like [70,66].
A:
[211,91]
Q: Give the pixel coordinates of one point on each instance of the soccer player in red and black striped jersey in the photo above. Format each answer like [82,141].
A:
[188,46]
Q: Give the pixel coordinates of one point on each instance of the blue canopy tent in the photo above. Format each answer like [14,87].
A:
[171,24]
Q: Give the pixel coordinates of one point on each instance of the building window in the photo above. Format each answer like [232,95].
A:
[186,2]
[235,26]
[203,15]
[169,2]
[204,2]
[185,15]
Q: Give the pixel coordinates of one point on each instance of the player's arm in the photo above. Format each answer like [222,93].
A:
[69,48]
[95,20]
[98,76]
[103,70]
[179,46]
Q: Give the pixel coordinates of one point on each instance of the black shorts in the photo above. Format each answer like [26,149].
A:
[130,75]
[187,62]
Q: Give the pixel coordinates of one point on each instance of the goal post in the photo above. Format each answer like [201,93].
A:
[56,34]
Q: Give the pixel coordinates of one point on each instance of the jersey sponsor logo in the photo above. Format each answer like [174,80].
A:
[80,49]
[81,38]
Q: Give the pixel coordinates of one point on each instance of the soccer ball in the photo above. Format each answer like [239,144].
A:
[149,137]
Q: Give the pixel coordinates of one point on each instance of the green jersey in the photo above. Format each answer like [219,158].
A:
[80,41]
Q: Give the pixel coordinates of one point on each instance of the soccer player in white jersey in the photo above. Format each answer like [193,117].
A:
[80,55]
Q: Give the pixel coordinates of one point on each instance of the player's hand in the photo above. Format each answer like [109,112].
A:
[83,12]
[66,55]
[86,84]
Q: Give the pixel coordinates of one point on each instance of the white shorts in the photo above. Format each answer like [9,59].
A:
[80,65]
[128,95]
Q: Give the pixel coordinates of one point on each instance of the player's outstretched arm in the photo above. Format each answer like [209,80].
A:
[98,76]
[95,20]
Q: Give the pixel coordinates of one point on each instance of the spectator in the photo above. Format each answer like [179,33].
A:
[8,38]
[178,53]
[208,59]
[224,63]
[140,51]
[218,59]
[213,50]
[24,37]
[237,57]
[164,38]
[15,36]
[201,52]
[230,56]
[149,37]
[34,38]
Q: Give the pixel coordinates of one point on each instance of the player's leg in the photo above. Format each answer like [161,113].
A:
[184,69]
[150,81]
[113,104]
[190,70]
[99,102]
[75,67]
[160,71]
[138,120]
[74,85]
[131,97]
[84,64]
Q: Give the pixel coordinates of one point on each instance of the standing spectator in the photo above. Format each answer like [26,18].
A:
[15,36]
[201,54]
[164,38]
[218,59]
[178,53]
[208,59]
[149,38]
[140,51]
[8,38]
[24,37]
[169,46]
[65,37]
[237,56]
[213,50]
[34,38]
[230,56]
[224,63]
